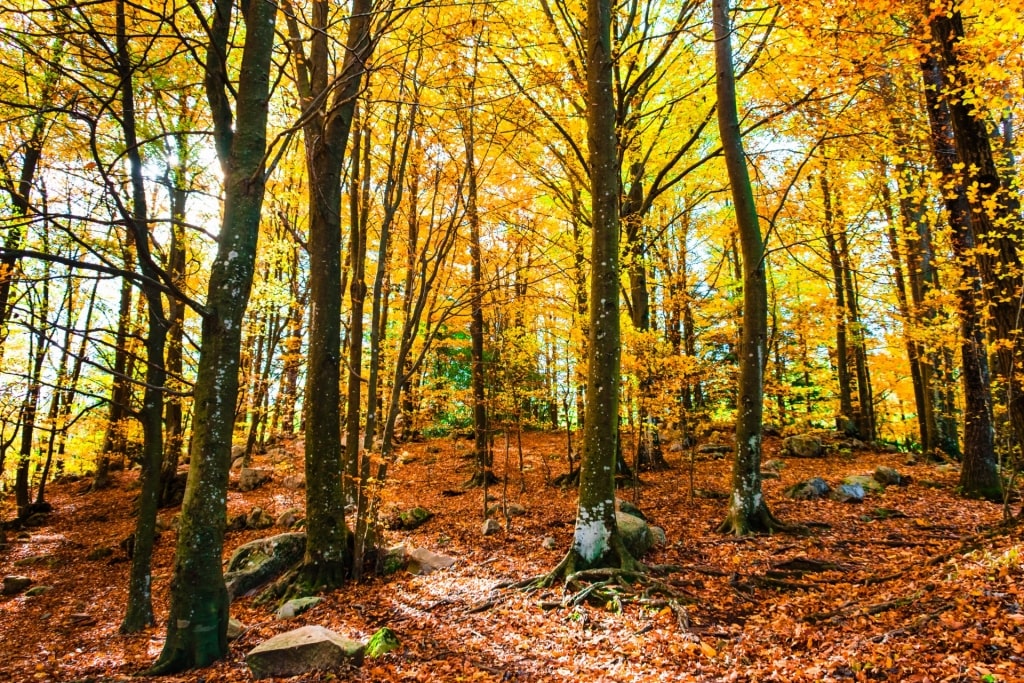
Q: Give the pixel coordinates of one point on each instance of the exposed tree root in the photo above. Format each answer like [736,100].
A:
[305,580]
[762,521]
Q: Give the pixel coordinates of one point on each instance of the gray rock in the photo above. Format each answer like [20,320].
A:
[515,510]
[810,489]
[629,508]
[259,561]
[549,543]
[849,493]
[100,553]
[37,590]
[660,538]
[288,518]
[676,447]
[636,534]
[887,476]
[297,606]
[393,560]
[771,475]
[423,561]
[865,481]
[252,478]
[414,518]
[715,449]
[235,629]
[259,519]
[803,446]
[490,527]
[294,482]
[774,465]
[15,584]
[307,649]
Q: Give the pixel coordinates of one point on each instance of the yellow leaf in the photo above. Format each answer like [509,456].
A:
[708,650]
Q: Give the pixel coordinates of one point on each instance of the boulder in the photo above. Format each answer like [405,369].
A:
[774,465]
[259,519]
[771,475]
[423,561]
[294,482]
[414,517]
[235,629]
[809,489]
[636,534]
[15,584]
[393,560]
[549,543]
[660,538]
[719,449]
[490,527]
[298,652]
[515,510]
[382,642]
[849,493]
[37,590]
[297,606]
[288,518]
[865,481]
[629,508]
[252,478]
[259,561]
[803,446]
[887,476]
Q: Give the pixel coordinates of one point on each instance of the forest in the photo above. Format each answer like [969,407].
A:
[609,340]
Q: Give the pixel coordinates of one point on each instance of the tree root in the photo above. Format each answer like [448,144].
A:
[761,521]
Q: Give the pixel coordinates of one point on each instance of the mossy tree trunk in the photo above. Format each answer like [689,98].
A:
[748,512]
[198,618]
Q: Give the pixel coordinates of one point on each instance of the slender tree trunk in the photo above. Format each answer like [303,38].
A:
[844,421]
[748,512]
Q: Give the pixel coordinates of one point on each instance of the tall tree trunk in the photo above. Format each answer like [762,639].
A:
[198,617]
[979,476]
[748,512]
[844,421]
[358,203]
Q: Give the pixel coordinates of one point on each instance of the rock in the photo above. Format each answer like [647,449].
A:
[771,475]
[865,481]
[393,560]
[549,543]
[515,510]
[15,584]
[774,465]
[636,535]
[297,606]
[803,446]
[237,456]
[259,561]
[910,461]
[100,553]
[166,523]
[676,447]
[413,518]
[252,478]
[490,527]
[259,519]
[238,522]
[37,590]
[710,494]
[235,629]
[288,518]
[849,493]
[660,538]
[887,476]
[310,648]
[714,449]
[423,561]
[628,508]
[810,489]
[770,429]
[382,642]
[294,482]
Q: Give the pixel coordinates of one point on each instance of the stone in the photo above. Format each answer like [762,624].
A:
[887,476]
[100,553]
[237,456]
[676,447]
[382,642]
[803,446]
[849,493]
[235,629]
[771,475]
[294,482]
[288,518]
[252,478]
[774,465]
[298,652]
[715,449]
[660,538]
[809,489]
[865,481]
[629,508]
[635,533]
[394,559]
[423,561]
[238,522]
[490,527]
[770,429]
[297,606]
[259,561]
[549,543]
[15,584]
[414,518]
[515,510]
[37,590]
[259,519]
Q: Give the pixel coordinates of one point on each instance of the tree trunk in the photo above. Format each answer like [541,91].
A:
[748,512]
[844,421]
[198,618]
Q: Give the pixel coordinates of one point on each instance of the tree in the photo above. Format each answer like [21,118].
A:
[197,623]
[748,510]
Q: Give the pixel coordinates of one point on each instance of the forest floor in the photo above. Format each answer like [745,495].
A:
[926,586]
